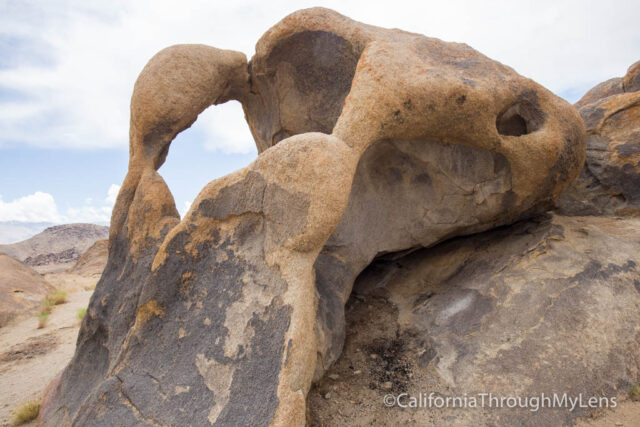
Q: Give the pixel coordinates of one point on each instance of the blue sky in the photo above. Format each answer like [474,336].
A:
[67,69]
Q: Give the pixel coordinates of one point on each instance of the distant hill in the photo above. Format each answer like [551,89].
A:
[21,288]
[16,231]
[57,248]
[93,261]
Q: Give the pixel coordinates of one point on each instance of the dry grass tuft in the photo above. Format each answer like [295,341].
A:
[25,413]
[57,298]
[46,305]
[43,317]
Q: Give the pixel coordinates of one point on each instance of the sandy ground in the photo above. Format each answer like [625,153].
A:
[31,357]
[627,414]
[71,282]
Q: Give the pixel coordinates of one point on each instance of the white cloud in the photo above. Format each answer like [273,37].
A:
[185,209]
[223,126]
[101,215]
[36,207]
[112,194]
[42,207]
[80,98]
[77,93]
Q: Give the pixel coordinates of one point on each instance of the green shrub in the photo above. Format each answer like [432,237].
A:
[57,298]
[81,313]
[46,305]
[43,317]
[634,393]
[25,413]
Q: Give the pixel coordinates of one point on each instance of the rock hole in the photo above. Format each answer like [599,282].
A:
[513,125]
[519,119]
[218,143]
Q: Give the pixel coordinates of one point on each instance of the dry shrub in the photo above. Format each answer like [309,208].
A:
[57,298]
[25,413]
[43,317]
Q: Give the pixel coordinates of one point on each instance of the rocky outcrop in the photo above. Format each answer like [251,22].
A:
[93,261]
[617,85]
[42,260]
[21,288]
[544,306]
[57,248]
[370,140]
[610,180]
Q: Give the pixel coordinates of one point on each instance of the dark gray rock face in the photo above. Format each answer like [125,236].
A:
[441,187]
[543,306]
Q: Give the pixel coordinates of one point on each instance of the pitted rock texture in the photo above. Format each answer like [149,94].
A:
[548,305]
[371,140]
[610,180]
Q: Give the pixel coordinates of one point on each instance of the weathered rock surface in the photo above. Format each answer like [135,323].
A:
[57,248]
[93,261]
[610,180]
[543,306]
[370,140]
[21,288]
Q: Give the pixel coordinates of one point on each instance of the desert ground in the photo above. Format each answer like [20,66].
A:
[67,259]
[32,357]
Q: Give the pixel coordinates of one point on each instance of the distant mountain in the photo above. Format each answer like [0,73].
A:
[15,231]
[57,248]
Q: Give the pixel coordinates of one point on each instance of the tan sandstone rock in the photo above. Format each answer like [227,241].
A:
[610,180]
[371,140]
[21,288]
[92,262]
